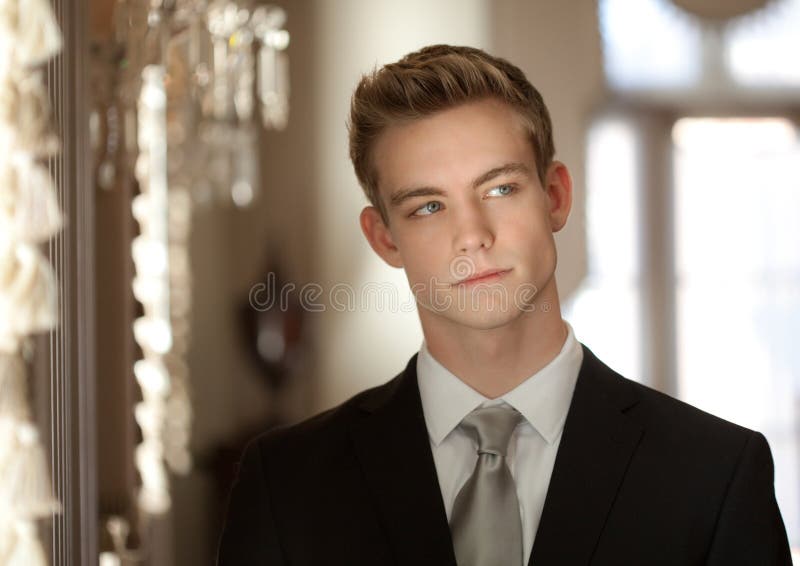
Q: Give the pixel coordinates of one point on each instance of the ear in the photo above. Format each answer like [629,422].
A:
[379,236]
[559,194]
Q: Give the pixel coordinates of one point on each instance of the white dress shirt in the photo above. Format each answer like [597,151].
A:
[543,399]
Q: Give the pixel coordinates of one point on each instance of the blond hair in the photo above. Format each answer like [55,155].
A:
[436,78]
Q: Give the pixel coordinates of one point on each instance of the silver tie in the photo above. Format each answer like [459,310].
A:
[485,522]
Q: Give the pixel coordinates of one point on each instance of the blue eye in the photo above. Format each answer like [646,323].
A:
[510,189]
[426,208]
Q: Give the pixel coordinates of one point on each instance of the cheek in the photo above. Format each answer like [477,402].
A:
[530,229]
[418,259]
[533,244]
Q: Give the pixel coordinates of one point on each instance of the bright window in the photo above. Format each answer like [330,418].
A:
[652,45]
[737,243]
[605,311]
[706,307]
[762,50]
[648,44]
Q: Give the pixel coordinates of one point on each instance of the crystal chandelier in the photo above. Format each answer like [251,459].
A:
[204,69]
[193,83]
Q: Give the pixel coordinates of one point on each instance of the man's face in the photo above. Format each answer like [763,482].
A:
[463,197]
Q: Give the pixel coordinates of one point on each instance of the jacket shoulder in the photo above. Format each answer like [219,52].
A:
[655,407]
[660,415]
[681,430]
[672,427]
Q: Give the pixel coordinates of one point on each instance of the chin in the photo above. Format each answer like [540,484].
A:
[483,318]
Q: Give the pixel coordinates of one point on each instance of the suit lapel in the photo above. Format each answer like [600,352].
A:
[596,447]
[392,446]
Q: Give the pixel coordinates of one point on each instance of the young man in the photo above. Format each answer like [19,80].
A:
[504,441]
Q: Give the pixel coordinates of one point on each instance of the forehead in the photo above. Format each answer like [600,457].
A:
[448,149]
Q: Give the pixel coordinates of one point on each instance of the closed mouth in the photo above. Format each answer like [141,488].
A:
[488,275]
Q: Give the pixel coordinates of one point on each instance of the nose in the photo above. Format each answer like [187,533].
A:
[472,231]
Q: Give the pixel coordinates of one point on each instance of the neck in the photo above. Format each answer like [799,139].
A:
[494,361]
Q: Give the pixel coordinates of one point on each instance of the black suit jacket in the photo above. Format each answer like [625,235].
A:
[639,479]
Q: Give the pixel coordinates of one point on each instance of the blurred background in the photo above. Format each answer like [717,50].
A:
[213,280]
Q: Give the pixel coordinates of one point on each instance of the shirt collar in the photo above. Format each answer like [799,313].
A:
[543,399]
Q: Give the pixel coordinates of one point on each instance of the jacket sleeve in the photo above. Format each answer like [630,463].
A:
[749,528]
[248,537]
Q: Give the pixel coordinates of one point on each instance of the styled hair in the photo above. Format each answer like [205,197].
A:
[435,78]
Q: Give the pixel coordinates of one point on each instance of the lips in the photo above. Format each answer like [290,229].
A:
[484,276]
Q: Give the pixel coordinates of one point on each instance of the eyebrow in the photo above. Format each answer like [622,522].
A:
[401,196]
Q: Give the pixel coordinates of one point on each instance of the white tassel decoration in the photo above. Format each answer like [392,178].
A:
[8,33]
[26,110]
[9,99]
[28,293]
[40,37]
[8,190]
[29,214]
[8,342]
[8,451]
[13,408]
[28,550]
[13,388]
[7,535]
[37,215]
[28,485]
[28,203]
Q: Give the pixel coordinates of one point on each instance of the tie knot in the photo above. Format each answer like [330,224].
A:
[493,427]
